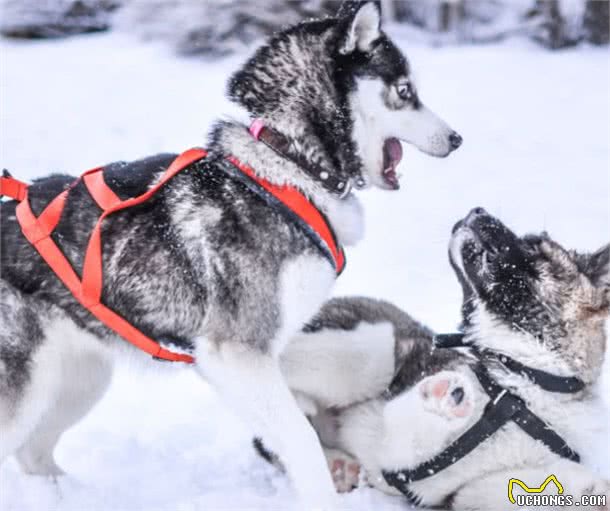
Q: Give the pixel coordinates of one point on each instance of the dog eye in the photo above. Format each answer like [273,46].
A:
[405,91]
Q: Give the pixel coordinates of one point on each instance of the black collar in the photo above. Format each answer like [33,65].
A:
[546,381]
[503,407]
[280,143]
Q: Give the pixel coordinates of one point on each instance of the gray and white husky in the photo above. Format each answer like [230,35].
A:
[380,395]
[206,265]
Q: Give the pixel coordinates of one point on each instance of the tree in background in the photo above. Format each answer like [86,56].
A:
[220,27]
[41,19]
[595,22]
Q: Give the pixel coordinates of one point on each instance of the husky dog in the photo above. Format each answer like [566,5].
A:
[385,398]
[206,265]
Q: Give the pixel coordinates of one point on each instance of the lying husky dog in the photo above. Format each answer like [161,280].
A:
[377,388]
[207,265]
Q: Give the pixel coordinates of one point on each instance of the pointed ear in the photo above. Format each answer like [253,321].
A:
[362,25]
[597,266]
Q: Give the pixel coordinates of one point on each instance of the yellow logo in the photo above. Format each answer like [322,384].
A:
[527,489]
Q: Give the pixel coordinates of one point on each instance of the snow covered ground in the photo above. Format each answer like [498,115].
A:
[536,127]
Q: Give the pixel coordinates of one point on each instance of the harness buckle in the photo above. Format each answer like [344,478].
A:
[505,405]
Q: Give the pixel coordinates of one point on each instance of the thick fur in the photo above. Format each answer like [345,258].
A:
[387,398]
[206,266]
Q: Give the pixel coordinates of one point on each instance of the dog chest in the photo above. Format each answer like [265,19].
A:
[305,283]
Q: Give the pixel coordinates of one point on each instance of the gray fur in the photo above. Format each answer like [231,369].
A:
[20,325]
[534,286]
[526,297]
[206,266]
[415,356]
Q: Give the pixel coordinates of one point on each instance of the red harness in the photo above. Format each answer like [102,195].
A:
[88,289]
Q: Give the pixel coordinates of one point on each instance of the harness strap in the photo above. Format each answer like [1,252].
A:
[298,209]
[11,187]
[88,289]
[525,418]
[500,409]
[540,430]
[547,381]
[503,407]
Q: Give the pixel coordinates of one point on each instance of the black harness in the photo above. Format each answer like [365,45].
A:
[503,407]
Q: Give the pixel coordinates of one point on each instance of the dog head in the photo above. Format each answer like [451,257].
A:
[343,92]
[531,297]
[384,102]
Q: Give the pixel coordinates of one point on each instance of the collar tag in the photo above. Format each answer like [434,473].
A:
[256,127]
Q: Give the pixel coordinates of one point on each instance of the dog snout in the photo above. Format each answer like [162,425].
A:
[474,213]
[455,140]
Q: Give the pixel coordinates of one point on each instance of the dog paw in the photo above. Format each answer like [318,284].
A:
[447,394]
[40,466]
[344,469]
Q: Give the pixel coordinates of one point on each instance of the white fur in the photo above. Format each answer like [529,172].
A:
[405,432]
[520,345]
[489,493]
[455,246]
[253,384]
[346,215]
[374,122]
[301,296]
[363,30]
[338,368]
[70,372]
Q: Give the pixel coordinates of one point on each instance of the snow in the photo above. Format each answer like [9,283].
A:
[536,153]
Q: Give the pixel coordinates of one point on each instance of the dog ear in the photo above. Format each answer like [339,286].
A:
[361,22]
[596,266]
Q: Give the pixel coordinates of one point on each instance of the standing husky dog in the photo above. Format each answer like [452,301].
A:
[207,265]
[384,394]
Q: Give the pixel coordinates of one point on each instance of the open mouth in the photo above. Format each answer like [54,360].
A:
[392,154]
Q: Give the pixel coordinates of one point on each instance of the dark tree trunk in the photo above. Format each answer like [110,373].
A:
[596,22]
[551,31]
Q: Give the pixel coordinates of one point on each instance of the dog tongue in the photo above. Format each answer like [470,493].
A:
[392,154]
[394,150]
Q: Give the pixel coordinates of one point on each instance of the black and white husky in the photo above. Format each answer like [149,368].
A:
[206,264]
[381,395]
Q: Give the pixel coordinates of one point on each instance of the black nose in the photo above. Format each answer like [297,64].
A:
[474,213]
[455,140]
[458,395]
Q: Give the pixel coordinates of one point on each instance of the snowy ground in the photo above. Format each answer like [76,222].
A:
[536,127]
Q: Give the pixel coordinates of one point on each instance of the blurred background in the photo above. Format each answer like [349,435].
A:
[214,28]
[86,82]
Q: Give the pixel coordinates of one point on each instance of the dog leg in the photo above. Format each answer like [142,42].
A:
[253,384]
[36,456]
[490,493]
[84,376]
